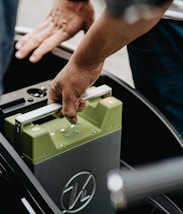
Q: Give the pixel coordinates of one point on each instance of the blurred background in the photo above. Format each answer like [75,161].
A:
[31,13]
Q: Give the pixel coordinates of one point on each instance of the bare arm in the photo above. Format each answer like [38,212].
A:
[107,35]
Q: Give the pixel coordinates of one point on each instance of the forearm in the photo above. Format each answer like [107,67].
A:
[109,34]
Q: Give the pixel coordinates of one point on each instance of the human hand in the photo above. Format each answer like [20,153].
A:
[68,86]
[65,19]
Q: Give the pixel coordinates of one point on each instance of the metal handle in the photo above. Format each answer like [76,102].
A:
[50,109]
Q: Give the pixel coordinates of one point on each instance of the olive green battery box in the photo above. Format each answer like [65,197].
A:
[50,135]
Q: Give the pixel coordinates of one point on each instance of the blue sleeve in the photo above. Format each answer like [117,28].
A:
[8,12]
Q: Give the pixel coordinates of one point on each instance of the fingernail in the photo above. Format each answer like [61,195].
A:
[32,58]
[18,54]
[72,120]
[18,45]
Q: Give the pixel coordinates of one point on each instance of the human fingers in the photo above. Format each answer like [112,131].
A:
[27,37]
[70,105]
[32,40]
[81,105]
[47,45]
[57,94]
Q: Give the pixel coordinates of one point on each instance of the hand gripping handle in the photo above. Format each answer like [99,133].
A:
[50,109]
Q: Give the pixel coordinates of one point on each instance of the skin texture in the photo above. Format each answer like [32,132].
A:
[65,19]
[86,63]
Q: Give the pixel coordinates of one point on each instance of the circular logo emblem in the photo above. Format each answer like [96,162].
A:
[78,192]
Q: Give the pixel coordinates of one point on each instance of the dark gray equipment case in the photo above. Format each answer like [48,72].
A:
[76,178]
[143,124]
[71,161]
